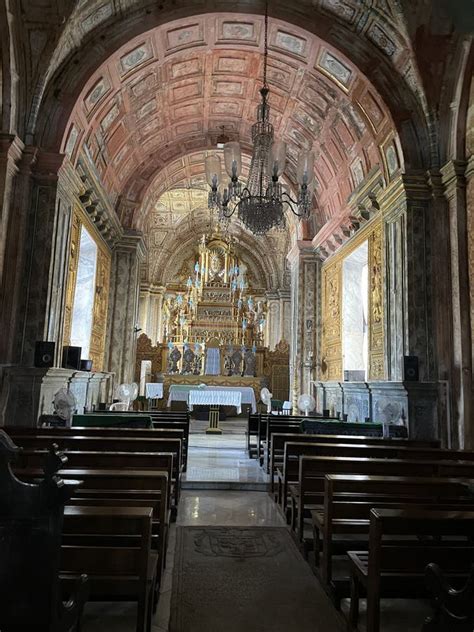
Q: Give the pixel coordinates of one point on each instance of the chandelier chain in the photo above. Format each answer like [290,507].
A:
[265,46]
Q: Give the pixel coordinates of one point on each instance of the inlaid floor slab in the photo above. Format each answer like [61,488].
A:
[227,508]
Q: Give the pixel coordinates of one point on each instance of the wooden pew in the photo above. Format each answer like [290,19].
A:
[120,486]
[170,430]
[310,488]
[387,449]
[111,444]
[283,423]
[252,431]
[398,571]
[155,461]
[31,517]
[277,453]
[348,500]
[116,571]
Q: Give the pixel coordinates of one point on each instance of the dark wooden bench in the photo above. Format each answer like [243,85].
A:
[108,444]
[310,488]
[118,570]
[277,453]
[348,500]
[453,608]
[397,570]
[387,449]
[31,519]
[155,461]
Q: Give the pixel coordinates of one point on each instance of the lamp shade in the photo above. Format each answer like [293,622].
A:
[233,159]
[305,169]
[277,158]
[213,170]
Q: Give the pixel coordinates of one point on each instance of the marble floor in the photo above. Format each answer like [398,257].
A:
[219,459]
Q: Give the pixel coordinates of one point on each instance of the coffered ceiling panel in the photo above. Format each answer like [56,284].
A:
[173,90]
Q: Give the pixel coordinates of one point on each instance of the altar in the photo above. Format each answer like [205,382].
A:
[221,395]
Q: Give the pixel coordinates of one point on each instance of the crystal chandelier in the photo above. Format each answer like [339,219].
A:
[261,203]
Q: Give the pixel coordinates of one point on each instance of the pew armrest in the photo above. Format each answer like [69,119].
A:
[71,611]
[453,609]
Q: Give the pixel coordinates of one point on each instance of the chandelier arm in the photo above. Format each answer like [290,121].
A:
[287,199]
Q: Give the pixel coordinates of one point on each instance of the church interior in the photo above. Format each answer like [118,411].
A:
[236,315]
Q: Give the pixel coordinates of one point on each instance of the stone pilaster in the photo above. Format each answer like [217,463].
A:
[454,183]
[43,284]
[127,255]
[16,164]
[405,205]
[305,279]
[151,303]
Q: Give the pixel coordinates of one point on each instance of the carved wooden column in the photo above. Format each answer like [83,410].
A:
[127,255]
[454,182]
[305,279]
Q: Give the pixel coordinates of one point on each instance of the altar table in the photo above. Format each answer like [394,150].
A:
[215,397]
[179,393]
[154,390]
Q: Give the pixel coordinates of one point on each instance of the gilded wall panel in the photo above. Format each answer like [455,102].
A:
[72,275]
[99,322]
[102,282]
[331,367]
[376,329]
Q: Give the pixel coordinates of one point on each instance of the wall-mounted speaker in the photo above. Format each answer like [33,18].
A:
[44,353]
[72,357]
[86,365]
[410,369]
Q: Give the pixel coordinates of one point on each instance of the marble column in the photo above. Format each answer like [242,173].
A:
[405,205]
[127,255]
[272,327]
[454,183]
[305,280]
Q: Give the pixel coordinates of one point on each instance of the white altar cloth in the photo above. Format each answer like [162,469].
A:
[154,390]
[210,396]
[179,393]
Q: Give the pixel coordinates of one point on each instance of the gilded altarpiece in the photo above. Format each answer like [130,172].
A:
[102,283]
[332,292]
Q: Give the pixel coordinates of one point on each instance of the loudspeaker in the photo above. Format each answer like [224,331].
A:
[410,369]
[72,357]
[44,353]
[86,365]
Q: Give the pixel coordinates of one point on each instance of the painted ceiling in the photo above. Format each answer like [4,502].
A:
[166,95]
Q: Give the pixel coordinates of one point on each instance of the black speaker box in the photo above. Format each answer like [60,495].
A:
[44,353]
[72,357]
[86,365]
[410,369]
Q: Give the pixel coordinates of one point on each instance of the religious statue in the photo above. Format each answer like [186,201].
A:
[227,364]
[236,362]
[216,267]
[249,363]
[188,361]
[173,358]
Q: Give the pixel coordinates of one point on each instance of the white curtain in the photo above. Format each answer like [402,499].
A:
[213,364]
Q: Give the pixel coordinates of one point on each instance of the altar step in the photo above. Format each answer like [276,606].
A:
[225,486]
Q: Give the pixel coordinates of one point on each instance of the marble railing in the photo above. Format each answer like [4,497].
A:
[415,404]
[28,392]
